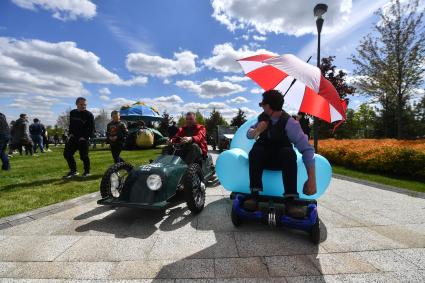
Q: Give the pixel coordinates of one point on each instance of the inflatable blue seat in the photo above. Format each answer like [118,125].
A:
[233,169]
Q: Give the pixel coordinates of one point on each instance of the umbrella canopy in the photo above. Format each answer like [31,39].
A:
[140,111]
[311,93]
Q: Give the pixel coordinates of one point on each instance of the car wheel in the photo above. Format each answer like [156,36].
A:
[194,189]
[113,180]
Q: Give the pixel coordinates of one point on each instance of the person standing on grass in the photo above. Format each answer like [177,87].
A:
[22,135]
[81,129]
[4,139]
[116,132]
[37,130]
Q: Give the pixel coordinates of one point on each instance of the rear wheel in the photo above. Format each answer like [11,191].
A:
[194,189]
[113,180]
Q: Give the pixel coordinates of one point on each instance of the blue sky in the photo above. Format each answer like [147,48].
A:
[175,55]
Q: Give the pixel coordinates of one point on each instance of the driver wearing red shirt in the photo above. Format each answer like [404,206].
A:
[192,137]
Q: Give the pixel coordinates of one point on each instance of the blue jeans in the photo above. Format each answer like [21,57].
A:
[3,154]
[37,140]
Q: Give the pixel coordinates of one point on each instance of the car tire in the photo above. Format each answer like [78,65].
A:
[105,184]
[194,189]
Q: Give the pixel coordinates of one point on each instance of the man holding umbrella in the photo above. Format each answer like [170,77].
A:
[275,132]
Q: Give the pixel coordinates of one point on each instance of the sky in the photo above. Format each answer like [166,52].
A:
[177,55]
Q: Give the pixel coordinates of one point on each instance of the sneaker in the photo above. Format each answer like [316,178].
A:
[70,175]
[86,174]
[297,211]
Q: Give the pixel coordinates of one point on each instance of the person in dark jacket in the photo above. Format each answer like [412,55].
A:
[81,129]
[305,123]
[21,135]
[4,139]
[275,133]
[116,132]
[172,130]
[37,131]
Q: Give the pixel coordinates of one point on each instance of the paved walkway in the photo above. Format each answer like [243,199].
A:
[369,235]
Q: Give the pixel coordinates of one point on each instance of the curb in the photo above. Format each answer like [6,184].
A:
[380,186]
[13,220]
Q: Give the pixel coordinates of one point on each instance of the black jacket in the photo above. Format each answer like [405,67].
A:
[4,127]
[81,124]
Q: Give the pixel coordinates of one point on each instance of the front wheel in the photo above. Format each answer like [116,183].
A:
[194,189]
[112,184]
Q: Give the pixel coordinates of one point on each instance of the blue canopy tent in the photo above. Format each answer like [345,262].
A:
[140,111]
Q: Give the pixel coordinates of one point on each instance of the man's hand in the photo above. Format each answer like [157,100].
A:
[186,139]
[310,187]
[261,127]
[114,138]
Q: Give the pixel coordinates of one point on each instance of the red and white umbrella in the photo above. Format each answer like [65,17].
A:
[311,93]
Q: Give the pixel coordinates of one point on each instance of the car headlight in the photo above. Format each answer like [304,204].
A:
[154,182]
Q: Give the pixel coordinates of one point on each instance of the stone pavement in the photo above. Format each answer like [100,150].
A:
[369,235]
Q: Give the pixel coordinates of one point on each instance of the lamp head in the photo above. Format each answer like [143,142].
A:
[320,9]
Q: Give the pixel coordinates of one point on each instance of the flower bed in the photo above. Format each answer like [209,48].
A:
[389,156]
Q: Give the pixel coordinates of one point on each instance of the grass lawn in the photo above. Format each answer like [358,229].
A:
[386,180]
[35,182]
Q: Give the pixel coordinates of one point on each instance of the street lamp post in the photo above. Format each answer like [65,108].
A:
[319,10]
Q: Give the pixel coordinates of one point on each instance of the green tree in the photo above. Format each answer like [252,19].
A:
[239,119]
[389,63]
[165,123]
[339,81]
[364,120]
[199,118]
[181,121]
[215,119]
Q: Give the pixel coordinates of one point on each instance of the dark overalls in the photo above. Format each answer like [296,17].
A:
[274,151]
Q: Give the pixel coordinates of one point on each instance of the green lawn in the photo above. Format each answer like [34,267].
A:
[409,184]
[37,181]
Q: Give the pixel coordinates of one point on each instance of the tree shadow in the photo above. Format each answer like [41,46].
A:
[50,181]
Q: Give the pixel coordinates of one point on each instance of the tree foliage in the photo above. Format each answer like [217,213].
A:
[239,119]
[215,119]
[199,118]
[389,63]
[165,123]
[63,119]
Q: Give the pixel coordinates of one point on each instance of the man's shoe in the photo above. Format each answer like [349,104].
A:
[70,175]
[86,174]
[297,211]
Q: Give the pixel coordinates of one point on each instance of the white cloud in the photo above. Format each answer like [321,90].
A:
[238,100]
[104,97]
[210,89]
[141,63]
[52,69]
[171,99]
[278,16]
[236,79]
[62,9]
[259,38]
[104,91]
[256,90]
[166,81]
[225,56]
[36,107]
[138,80]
